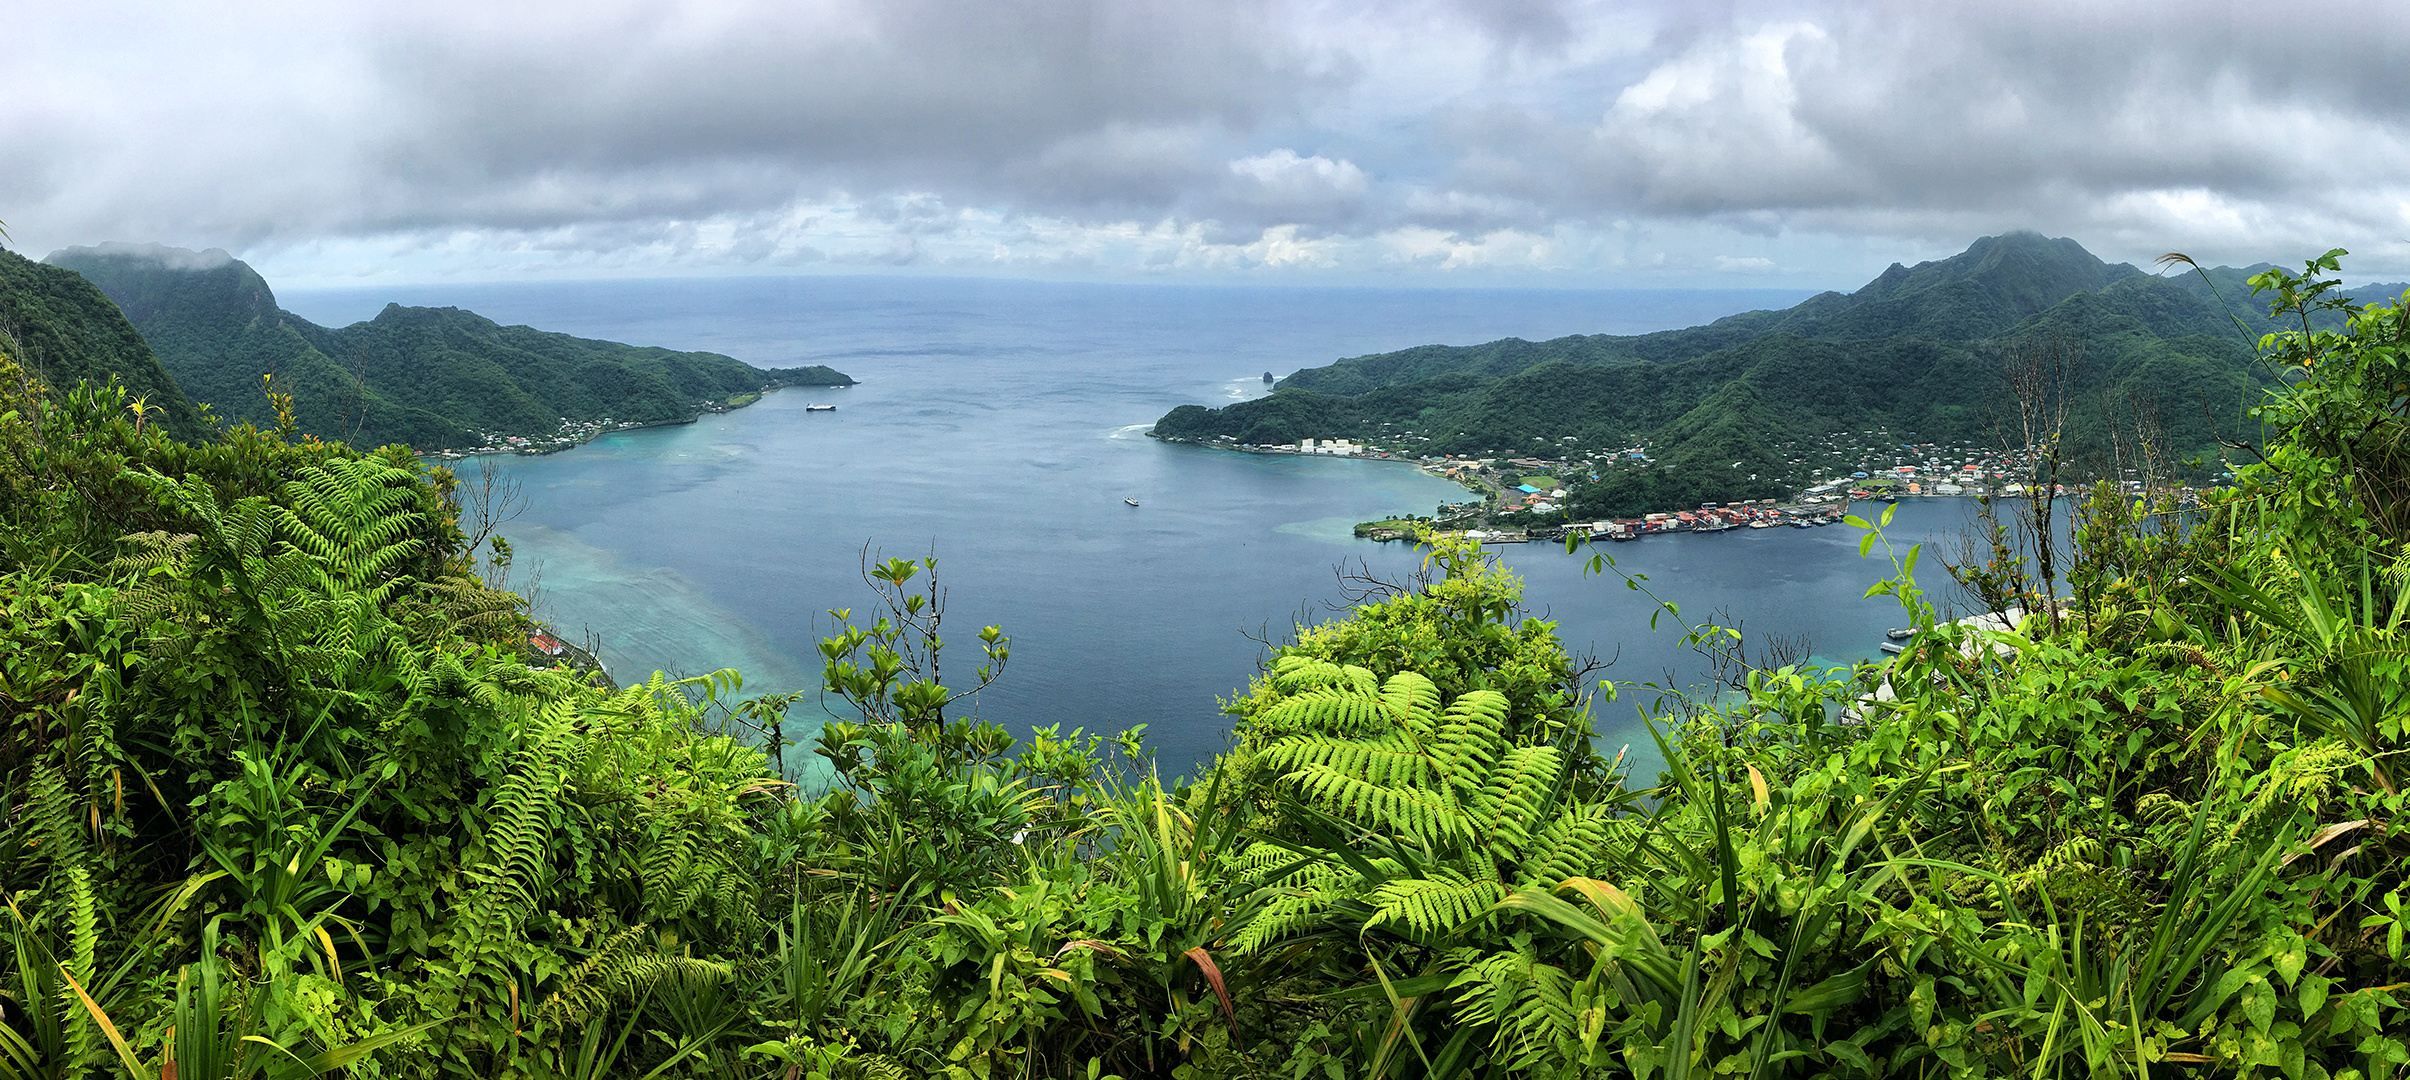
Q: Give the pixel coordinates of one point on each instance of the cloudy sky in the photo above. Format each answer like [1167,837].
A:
[1510,142]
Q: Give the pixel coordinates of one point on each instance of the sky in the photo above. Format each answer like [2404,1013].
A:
[1421,142]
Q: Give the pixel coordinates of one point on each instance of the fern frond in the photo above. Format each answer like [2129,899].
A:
[1530,1002]
[1470,735]
[83,943]
[1343,712]
[622,967]
[1513,800]
[1434,905]
[521,814]
[1574,844]
[1389,762]
[1297,673]
[1409,694]
[354,518]
[1415,811]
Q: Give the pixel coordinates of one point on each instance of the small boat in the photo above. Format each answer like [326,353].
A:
[1132,502]
[1897,633]
[1894,648]
[820,408]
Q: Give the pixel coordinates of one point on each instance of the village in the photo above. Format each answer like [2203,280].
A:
[573,433]
[1525,499]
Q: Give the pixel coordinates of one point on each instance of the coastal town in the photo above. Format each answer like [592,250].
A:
[573,433]
[1522,499]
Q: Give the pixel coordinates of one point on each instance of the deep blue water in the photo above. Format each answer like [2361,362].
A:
[999,424]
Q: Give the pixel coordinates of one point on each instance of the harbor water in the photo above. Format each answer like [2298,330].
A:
[1000,426]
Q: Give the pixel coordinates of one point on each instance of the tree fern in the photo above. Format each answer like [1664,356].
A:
[624,965]
[1512,801]
[287,602]
[522,812]
[454,604]
[1467,739]
[1481,815]
[1294,902]
[356,517]
[1327,699]
[1573,844]
[155,559]
[1435,904]
[70,912]
[1537,1008]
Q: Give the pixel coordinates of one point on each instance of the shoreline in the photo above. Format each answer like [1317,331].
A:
[557,444]
[1823,504]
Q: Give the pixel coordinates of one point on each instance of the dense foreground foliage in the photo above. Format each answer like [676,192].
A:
[283,798]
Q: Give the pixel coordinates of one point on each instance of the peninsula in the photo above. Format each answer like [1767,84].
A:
[1767,404]
[435,379]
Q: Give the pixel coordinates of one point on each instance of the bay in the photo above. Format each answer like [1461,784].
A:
[999,424]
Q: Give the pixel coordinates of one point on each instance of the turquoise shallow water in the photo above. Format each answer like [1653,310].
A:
[1000,425]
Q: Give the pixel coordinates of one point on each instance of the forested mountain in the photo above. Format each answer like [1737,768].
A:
[1917,352]
[64,331]
[429,377]
[290,792]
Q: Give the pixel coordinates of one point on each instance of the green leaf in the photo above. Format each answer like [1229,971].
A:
[1851,1053]
[2313,994]
[2290,958]
[1833,993]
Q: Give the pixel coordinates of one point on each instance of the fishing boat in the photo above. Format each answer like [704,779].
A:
[820,408]
[1894,648]
[1898,633]
[1132,502]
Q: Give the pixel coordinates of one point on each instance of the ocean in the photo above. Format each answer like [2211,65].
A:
[999,426]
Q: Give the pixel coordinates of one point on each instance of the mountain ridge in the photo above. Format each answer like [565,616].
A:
[63,330]
[434,378]
[1915,350]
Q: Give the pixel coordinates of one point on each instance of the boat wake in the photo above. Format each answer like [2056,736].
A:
[1129,431]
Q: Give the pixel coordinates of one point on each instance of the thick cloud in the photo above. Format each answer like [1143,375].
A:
[2130,124]
[171,258]
[1594,141]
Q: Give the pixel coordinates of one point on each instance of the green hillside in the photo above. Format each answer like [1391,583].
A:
[289,792]
[432,378]
[64,331]
[1914,353]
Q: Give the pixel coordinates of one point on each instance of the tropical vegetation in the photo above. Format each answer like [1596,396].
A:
[1915,353]
[286,798]
[431,378]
